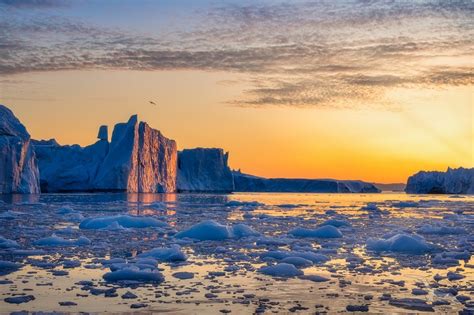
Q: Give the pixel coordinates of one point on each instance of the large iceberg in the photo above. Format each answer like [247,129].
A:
[204,170]
[18,168]
[249,183]
[138,159]
[453,181]
[69,168]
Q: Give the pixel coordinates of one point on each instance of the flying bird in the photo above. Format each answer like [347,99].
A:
[152,103]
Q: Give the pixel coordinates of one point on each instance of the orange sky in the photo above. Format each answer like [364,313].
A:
[374,145]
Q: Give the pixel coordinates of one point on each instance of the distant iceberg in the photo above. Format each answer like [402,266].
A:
[249,183]
[453,181]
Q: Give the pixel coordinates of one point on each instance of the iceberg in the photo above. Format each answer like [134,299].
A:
[204,170]
[453,181]
[249,183]
[19,171]
[138,159]
[68,168]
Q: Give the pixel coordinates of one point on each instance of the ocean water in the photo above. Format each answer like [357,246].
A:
[433,262]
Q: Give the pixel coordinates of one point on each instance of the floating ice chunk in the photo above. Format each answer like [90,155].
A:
[74,217]
[279,255]
[442,260]
[9,215]
[147,261]
[401,243]
[336,223]
[7,267]
[298,262]
[406,204]
[136,265]
[273,241]
[113,261]
[441,230]
[134,274]
[129,295]
[371,206]
[125,221]
[453,276]
[315,278]
[412,304]
[247,204]
[115,226]
[66,230]
[65,210]
[165,254]
[28,252]
[72,263]
[242,230]
[6,243]
[57,241]
[183,275]
[416,291]
[158,205]
[327,231]
[212,231]
[206,230]
[281,270]
[289,206]
[19,299]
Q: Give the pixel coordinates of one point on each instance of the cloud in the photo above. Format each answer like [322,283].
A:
[322,53]
[33,4]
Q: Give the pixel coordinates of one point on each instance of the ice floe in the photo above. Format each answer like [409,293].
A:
[327,231]
[401,243]
[125,221]
[57,241]
[134,274]
[6,243]
[282,270]
[210,230]
[165,254]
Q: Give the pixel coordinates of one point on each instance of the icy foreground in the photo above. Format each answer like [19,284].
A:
[243,253]
[453,181]
[18,168]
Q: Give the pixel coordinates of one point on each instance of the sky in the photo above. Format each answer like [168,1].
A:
[349,89]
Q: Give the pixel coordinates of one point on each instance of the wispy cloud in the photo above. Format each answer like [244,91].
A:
[318,53]
[33,4]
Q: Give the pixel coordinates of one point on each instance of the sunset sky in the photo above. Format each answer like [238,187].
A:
[367,89]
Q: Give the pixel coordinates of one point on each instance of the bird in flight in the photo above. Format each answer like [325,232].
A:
[152,103]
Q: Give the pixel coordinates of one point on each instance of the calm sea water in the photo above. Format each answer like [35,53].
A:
[355,275]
